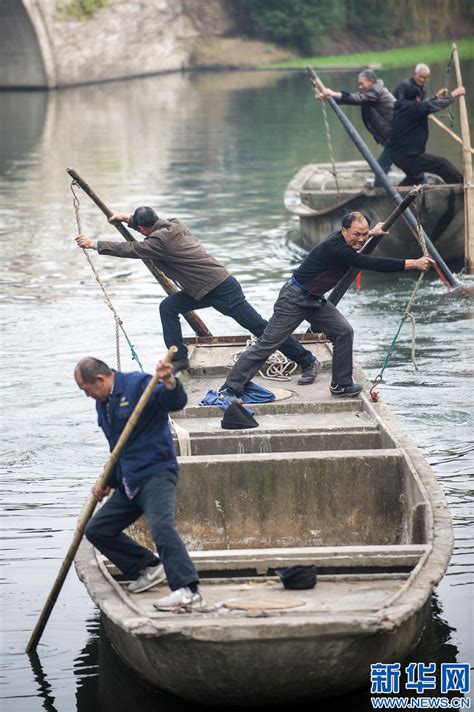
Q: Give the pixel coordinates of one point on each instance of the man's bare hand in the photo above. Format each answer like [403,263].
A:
[119,217]
[84,242]
[423,264]
[100,492]
[165,372]
[459,91]
[377,230]
[442,92]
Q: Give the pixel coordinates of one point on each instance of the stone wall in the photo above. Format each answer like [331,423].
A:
[40,47]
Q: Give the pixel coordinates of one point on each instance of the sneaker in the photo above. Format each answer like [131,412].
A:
[149,577]
[180,364]
[349,391]
[309,373]
[181,597]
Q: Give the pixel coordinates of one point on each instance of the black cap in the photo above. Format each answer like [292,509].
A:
[298,577]
[237,417]
[143,217]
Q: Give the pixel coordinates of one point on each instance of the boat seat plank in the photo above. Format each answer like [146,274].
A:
[404,555]
[382,455]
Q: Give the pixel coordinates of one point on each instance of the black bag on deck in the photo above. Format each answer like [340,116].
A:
[298,577]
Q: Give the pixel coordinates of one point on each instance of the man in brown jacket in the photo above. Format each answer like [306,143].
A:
[205,283]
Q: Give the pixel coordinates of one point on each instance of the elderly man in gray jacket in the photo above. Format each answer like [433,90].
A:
[377,104]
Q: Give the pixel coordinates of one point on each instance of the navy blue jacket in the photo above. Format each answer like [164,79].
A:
[150,449]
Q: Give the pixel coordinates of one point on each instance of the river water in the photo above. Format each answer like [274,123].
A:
[216,150]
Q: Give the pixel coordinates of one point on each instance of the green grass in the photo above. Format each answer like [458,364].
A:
[389,59]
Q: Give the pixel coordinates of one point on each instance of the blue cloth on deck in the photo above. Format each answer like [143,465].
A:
[253,393]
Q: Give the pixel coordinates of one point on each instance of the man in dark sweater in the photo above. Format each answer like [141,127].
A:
[376,104]
[205,282]
[302,298]
[409,136]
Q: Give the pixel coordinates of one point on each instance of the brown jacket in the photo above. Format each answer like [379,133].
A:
[177,253]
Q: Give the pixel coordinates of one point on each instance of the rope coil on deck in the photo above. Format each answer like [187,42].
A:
[279,367]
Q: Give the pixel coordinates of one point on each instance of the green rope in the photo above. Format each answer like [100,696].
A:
[406,314]
[132,348]
[446,83]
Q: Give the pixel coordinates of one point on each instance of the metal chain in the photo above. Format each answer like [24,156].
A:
[108,301]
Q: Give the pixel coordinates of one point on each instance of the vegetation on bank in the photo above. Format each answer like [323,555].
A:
[79,9]
[317,26]
[388,59]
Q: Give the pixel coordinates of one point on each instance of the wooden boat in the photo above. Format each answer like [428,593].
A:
[324,481]
[312,195]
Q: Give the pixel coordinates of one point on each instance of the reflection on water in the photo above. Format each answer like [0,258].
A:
[217,150]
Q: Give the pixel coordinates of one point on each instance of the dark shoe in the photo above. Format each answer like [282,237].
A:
[348,391]
[180,364]
[309,373]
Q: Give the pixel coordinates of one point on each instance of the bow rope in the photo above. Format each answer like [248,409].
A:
[118,322]
[407,315]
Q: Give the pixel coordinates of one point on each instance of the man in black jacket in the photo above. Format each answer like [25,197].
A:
[302,299]
[409,136]
[204,280]
[376,104]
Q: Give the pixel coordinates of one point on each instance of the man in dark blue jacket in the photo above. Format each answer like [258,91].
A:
[144,480]
[302,299]
[409,136]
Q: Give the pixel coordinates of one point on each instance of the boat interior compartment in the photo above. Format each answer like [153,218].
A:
[319,474]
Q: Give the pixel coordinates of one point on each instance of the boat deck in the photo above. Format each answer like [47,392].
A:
[232,593]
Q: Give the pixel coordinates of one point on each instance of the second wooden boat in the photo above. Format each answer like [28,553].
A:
[313,196]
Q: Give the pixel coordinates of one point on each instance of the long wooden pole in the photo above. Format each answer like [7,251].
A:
[467,163]
[345,282]
[440,124]
[194,321]
[440,265]
[90,506]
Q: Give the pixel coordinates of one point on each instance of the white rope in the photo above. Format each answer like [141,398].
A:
[279,368]
[183,436]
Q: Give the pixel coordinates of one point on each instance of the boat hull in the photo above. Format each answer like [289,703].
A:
[291,667]
[372,520]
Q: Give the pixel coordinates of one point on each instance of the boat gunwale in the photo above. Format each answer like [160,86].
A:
[294,205]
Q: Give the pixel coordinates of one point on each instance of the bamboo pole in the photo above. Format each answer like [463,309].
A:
[90,506]
[194,321]
[451,133]
[467,163]
[345,282]
[440,266]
